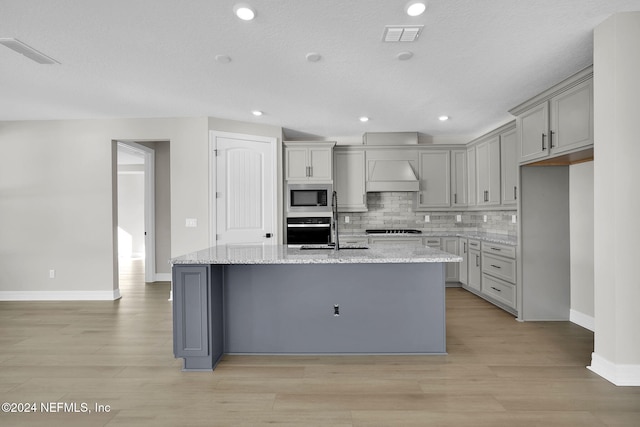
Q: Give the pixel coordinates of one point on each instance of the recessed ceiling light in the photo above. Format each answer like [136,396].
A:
[223,59]
[443,118]
[257,113]
[244,12]
[415,8]
[313,57]
[403,56]
[364,119]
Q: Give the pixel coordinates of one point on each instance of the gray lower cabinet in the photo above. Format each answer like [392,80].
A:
[463,267]
[197,313]
[450,244]
[475,276]
[499,275]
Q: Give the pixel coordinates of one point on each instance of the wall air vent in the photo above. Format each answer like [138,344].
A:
[28,51]
[401,33]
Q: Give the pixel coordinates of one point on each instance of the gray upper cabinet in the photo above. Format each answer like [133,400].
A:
[309,161]
[558,121]
[572,119]
[349,179]
[435,179]
[488,172]
[471,176]
[509,167]
[459,180]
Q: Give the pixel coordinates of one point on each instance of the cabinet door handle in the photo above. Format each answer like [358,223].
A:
[364,199]
[515,193]
[543,137]
[477,260]
[455,198]
[310,170]
[550,139]
[420,198]
[464,247]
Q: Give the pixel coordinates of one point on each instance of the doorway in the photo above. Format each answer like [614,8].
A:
[243,189]
[136,206]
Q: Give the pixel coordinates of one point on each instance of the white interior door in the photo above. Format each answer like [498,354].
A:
[245,189]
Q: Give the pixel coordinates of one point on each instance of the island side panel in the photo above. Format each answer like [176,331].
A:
[197,315]
[383,308]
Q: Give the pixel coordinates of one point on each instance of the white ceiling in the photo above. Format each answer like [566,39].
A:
[155,58]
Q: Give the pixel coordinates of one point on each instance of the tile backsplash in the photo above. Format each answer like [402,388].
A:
[396,210]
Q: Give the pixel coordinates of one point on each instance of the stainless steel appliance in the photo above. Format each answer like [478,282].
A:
[393,231]
[309,197]
[308,230]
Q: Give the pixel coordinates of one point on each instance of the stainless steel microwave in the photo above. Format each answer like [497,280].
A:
[309,197]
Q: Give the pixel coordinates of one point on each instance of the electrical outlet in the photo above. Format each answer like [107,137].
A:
[458,218]
[427,218]
[52,274]
[347,220]
[191,222]
[513,219]
[484,218]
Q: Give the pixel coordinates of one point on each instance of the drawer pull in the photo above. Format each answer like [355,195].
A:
[496,289]
[496,249]
[495,266]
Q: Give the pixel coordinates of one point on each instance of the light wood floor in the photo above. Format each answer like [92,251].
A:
[498,373]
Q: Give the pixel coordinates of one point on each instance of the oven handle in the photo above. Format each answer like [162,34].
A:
[308,225]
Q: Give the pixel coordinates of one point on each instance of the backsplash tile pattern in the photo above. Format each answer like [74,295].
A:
[396,210]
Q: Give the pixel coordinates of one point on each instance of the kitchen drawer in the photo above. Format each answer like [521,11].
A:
[503,268]
[499,290]
[433,242]
[474,244]
[410,241]
[354,240]
[498,249]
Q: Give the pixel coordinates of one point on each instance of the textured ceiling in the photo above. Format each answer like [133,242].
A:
[155,58]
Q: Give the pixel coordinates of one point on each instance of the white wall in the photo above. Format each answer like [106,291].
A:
[58,199]
[581,220]
[616,354]
[57,181]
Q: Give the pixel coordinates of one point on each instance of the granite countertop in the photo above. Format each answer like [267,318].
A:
[486,237]
[281,254]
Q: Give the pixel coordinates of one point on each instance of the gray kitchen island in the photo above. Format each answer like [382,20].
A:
[273,299]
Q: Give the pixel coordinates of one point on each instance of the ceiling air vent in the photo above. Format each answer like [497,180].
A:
[28,51]
[401,33]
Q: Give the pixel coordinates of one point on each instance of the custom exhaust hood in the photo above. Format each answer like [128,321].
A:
[392,160]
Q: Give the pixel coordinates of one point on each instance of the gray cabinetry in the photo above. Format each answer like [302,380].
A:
[197,313]
[349,179]
[459,180]
[450,244]
[474,276]
[558,121]
[509,167]
[488,172]
[499,274]
[309,161]
[435,179]
[471,176]
[393,240]
[463,267]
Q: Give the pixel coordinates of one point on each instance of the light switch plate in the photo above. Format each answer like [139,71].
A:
[458,218]
[427,218]
[347,219]
[513,219]
[484,218]
[191,222]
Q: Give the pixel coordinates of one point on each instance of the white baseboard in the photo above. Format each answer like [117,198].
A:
[162,277]
[586,321]
[620,375]
[60,295]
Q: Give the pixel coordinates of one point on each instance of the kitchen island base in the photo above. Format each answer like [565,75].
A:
[340,308]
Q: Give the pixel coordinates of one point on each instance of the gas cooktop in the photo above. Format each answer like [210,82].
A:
[394,231]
